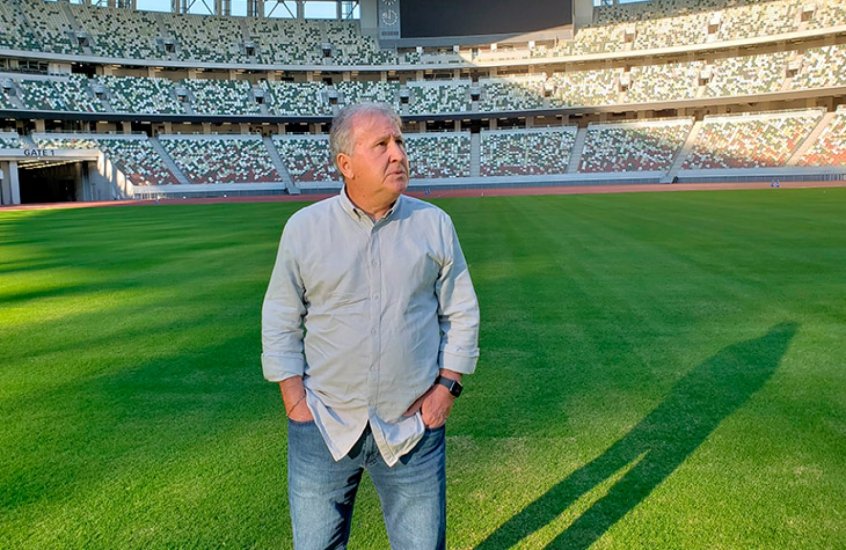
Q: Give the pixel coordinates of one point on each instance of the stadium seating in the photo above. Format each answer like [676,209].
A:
[666,82]
[133,155]
[285,41]
[206,38]
[107,28]
[751,74]
[129,94]
[438,96]
[48,25]
[9,140]
[749,140]
[442,155]
[829,149]
[59,94]
[512,93]
[526,152]
[297,98]
[358,91]
[306,158]
[818,68]
[216,159]
[14,31]
[582,88]
[633,146]
[222,97]
[350,47]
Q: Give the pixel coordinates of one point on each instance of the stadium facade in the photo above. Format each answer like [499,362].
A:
[102,102]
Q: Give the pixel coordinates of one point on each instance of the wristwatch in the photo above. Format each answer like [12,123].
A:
[454,386]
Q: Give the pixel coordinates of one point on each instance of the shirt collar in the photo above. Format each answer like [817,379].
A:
[360,214]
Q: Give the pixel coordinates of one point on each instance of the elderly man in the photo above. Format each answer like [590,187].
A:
[368,324]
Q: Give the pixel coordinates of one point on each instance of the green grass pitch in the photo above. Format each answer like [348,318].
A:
[658,370]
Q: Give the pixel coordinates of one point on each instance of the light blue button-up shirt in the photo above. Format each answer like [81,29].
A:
[368,313]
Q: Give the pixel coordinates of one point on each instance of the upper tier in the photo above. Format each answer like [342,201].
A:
[69,31]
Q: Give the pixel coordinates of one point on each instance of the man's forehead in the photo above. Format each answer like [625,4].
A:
[372,124]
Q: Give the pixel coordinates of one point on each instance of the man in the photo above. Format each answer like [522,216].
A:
[368,324]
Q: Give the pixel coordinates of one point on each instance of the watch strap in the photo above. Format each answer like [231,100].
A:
[454,386]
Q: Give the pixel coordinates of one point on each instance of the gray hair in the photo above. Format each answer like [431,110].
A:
[340,136]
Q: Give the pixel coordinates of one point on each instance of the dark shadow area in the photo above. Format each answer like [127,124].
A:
[663,440]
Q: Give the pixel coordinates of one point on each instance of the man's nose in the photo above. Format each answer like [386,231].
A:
[397,150]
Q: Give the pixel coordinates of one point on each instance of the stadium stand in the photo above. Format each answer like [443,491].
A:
[517,93]
[747,75]
[306,158]
[222,97]
[59,93]
[48,25]
[583,88]
[133,155]
[9,140]
[439,96]
[129,94]
[206,38]
[358,91]
[218,159]
[107,28]
[537,151]
[750,140]
[830,147]
[286,42]
[300,98]
[666,82]
[640,146]
[443,155]
[817,65]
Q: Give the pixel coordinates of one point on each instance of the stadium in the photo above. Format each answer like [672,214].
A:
[659,369]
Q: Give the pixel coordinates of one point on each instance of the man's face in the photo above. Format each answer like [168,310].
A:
[378,165]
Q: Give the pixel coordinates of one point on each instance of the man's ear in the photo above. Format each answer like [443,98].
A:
[344,165]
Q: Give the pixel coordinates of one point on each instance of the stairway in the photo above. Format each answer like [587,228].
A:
[280,167]
[681,154]
[180,175]
[576,153]
[475,154]
[810,139]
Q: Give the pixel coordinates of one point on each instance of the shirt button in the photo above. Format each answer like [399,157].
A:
[375,296]
[373,331]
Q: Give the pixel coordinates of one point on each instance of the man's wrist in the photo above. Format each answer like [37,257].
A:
[452,385]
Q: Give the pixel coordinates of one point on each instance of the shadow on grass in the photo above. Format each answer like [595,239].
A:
[655,447]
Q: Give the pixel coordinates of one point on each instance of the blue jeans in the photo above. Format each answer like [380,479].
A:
[321,492]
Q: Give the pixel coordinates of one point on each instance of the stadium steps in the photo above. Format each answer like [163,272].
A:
[77,27]
[682,153]
[810,140]
[179,174]
[576,153]
[280,167]
[475,155]
[15,99]
[27,142]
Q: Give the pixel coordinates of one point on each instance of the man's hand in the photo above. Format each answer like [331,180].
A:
[436,404]
[294,398]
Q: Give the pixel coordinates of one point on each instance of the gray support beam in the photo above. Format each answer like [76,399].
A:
[5,187]
[15,182]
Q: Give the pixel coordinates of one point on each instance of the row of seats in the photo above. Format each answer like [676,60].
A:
[829,149]
[214,160]
[633,146]
[751,141]
[526,153]
[135,156]
[744,75]
[728,141]
[102,31]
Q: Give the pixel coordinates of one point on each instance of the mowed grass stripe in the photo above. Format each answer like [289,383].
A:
[657,370]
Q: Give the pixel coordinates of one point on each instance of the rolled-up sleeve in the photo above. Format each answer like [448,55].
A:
[458,308]
[282,314]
